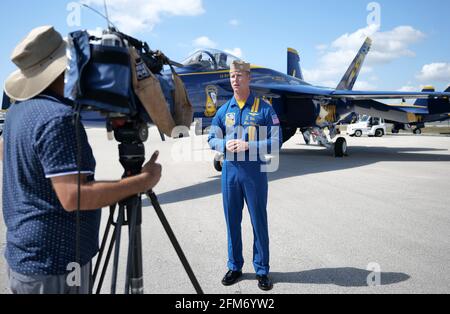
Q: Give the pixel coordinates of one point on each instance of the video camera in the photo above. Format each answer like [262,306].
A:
[120,76]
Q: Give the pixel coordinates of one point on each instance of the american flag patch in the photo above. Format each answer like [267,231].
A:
[275,119]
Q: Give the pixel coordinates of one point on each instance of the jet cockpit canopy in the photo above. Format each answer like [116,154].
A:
[210,60]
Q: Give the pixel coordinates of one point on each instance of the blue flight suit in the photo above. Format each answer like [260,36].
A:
[242,175]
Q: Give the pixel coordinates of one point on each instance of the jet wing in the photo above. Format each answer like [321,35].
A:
[278,89]
[437,102]
[295,91]
[313,91]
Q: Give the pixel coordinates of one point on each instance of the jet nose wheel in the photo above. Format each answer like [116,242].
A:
[417,131]
[340,148]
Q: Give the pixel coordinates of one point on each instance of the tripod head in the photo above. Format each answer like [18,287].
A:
[131,135]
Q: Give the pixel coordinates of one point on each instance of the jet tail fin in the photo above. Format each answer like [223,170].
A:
[434,105]
[424,102]
[293,64]
[349,79]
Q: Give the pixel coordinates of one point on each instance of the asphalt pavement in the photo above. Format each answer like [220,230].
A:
[377,221]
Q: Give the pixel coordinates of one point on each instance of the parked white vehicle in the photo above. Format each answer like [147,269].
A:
[369,126]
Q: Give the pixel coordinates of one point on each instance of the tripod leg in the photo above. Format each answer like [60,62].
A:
[134,278]
[137,277]
[107,259]
[152,196]
[103,245]
[118,230]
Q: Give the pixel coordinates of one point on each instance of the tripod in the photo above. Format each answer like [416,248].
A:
[132,156]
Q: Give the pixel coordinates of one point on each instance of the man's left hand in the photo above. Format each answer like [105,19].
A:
[238,146]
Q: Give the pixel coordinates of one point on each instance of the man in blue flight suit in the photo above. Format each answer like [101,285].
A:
[245,129]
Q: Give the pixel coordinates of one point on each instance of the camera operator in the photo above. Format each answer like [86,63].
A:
[40,174]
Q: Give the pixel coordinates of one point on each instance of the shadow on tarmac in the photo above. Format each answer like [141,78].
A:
[298,162]
[342,277]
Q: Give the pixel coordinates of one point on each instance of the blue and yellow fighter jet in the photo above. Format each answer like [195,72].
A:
[299,105]
[418,114]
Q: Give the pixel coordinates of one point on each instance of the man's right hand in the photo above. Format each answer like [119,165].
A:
[151,173]
[237,146]
[231,146]
[102,194]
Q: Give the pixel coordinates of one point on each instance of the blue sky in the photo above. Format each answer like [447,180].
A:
[411,46]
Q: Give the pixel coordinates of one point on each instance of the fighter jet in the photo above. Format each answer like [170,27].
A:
[418,114]
[300,105]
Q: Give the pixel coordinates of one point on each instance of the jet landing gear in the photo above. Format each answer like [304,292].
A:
[306,136]
[339,148]
[417,131]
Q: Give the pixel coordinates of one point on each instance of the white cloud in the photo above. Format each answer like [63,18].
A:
[435,72]
[322,47]
[387,46]
[409,88]
[234,22]
[98,32]
[134,16]
[364,86]
[235,52]
[394,44]
[336,57]
[204,42]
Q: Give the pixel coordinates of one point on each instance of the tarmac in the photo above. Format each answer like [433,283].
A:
[377,221]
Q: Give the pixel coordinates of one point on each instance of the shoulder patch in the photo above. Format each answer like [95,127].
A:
[230,119]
